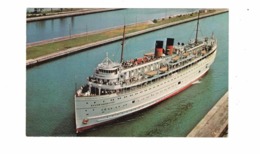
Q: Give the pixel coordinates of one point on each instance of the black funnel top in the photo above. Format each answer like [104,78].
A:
[159,44]
[170,42]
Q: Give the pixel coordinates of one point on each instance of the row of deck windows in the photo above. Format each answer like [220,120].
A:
[165,89]
[135,93]
[126,96]
[157,79]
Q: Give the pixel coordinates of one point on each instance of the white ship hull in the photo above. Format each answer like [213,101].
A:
[95,110]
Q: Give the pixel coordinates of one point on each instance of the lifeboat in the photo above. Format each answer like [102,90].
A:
[150,54]
[186,54]
[151,73]
[175,58]
[163,69]
[203,52]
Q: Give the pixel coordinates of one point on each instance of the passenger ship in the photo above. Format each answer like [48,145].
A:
[119,89]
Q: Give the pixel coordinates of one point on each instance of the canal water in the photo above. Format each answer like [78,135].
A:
[50,88]
[52,28]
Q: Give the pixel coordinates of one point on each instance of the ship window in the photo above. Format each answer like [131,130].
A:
[179,82]
[133,101]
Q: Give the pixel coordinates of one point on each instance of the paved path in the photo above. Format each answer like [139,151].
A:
[215,122]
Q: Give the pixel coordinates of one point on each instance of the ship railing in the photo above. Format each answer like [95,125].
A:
[129,64]
[177,65]
[144,81]
[144,84]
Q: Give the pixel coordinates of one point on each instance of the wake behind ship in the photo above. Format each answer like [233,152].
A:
[118,89]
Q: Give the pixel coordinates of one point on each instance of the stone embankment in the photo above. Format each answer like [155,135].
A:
[215,122]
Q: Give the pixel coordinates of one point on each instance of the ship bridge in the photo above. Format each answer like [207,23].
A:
[107,70]
[108,64]
[106,74]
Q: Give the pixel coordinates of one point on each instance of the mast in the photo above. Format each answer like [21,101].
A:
[123,42]
[197,28]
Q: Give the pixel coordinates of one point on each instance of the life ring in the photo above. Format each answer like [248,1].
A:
[85,121]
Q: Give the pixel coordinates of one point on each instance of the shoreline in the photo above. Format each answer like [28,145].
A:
[215,122]
[71,13]
[64,38]
[73,50]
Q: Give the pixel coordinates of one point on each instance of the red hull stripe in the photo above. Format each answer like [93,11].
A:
[175,93]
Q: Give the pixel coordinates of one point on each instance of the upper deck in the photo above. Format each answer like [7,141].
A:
[111,77]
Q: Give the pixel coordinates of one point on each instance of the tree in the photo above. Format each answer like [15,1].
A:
[41,9]
[35,10]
